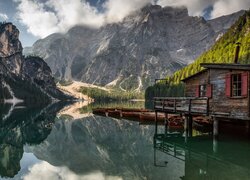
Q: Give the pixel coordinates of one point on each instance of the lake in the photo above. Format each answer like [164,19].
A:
[46,142]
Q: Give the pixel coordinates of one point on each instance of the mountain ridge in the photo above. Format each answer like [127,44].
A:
[150,43]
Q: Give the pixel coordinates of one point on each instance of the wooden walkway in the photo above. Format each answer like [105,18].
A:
[182,105]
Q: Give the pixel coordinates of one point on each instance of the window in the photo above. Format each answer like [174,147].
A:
[203,91]
[236,85]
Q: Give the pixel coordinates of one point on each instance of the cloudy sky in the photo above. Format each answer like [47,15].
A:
[38,18]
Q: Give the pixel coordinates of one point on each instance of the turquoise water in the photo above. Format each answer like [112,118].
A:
[44,143]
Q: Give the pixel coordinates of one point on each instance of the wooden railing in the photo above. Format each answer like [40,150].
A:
[188,105]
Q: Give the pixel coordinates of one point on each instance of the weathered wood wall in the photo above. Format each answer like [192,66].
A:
[236,107]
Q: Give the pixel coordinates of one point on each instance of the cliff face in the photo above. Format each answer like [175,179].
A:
[10,47]
[23,78]
[150,43]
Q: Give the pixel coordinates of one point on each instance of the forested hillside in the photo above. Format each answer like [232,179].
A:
[222,51]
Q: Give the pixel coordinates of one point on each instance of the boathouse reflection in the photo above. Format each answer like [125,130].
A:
[204,157]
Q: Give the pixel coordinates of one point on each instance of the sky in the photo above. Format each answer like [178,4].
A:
[37,19]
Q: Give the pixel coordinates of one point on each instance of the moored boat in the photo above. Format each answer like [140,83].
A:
[150,116]
[176,122]
[128,114]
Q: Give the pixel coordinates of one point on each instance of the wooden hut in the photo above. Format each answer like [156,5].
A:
[220,90]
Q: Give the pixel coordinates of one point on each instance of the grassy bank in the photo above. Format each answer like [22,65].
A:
[127,104]
[113,95]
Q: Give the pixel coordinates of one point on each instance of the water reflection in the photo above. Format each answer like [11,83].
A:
[49,143]
[205,157]
[117,148]
[23,126]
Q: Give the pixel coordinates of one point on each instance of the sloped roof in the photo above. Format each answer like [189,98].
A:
[226,66]
[207,66]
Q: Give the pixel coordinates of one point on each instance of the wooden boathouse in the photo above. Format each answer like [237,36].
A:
[220,92]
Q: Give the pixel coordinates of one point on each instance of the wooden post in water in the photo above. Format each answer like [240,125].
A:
[216,128]
[156,122]
[186,128]
[166,123]
[190,125]
[215,144]
[215,134]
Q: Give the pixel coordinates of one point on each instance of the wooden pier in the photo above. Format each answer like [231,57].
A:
[220,92]
[182,105]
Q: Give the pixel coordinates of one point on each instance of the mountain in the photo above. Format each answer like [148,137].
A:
[223,50]
[150,43]
[23,78]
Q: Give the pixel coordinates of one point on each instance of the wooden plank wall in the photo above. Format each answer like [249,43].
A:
[238,108]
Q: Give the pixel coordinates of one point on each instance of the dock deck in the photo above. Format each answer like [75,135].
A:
[182,105]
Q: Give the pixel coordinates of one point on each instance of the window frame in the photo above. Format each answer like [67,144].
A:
[236,85]
[243,86]
[203,92]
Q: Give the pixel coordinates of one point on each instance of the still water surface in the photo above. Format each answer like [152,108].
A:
[46,143]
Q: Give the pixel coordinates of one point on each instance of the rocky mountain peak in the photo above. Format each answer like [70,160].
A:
[150,43]
[156,13]
[9,40]
[149,8]
[10,47]
[21,77]
[180,11]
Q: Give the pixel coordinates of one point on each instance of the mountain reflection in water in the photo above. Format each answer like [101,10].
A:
[23,126]
[40,143]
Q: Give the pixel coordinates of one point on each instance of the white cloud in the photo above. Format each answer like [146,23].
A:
[72,12]
[220,7]
[195,7]
[224,7]
[53,16]
[44,170]
[3,17]
[39,21]
[116,10]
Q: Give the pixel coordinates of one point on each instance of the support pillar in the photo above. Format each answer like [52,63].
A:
[215,135]
[186,128]
[190,126]
[215,144]
[216,128]
[166,123]
[156,122]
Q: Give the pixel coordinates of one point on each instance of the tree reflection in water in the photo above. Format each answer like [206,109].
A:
[26,125]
